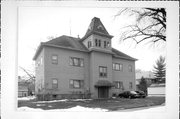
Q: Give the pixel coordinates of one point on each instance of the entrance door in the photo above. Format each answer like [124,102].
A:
[103,92]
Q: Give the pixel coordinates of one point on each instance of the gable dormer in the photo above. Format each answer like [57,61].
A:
[97,36]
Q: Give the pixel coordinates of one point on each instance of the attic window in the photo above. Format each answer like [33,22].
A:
[100,27]
[104,44]
[108,44]
[99,43]
[96,42]
[89,44]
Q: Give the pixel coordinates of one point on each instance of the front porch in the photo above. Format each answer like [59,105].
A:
[103,88]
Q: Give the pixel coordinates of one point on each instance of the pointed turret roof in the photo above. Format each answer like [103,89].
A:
[96,27]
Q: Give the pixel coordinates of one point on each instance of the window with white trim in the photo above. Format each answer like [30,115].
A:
[73,83]
[118,84]
[117,67]
[54,83]
[54,59]
[130,85]
[130,68]
[74,61]
[102,71]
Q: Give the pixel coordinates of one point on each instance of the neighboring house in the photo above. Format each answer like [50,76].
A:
[25,87]
[22,89]
[148,75]
[89,67]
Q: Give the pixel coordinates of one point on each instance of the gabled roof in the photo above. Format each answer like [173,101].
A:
[67,41]
[96,27]
[122,55]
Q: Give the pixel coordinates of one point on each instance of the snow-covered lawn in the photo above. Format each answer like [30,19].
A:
[117,104]
[26,98]
[86,109]
[73,109]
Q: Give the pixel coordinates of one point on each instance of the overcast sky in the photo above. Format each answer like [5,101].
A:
[36,24]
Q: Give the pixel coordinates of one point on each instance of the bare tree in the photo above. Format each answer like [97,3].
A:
[30,81]
[150,25]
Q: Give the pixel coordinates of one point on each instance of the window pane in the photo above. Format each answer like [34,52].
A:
[121,67]
[117,67]
[81,62]
[54,59]
[130,68]
[113,66]
[71,61]
[100,69]
[121,84]
[76,62]
[71,83]
[96,42]
[108,44]
[76,84]
[99,43]
[104,44]
[54,83]
[103,71]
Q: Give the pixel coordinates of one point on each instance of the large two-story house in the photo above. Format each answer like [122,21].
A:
[68,67]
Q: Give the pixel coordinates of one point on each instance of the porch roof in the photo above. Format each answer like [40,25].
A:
[103,83]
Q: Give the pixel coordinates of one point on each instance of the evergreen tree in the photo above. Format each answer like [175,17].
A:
[159,70]
[143,85]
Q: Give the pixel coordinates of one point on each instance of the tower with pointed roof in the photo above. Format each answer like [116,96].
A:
[97,37]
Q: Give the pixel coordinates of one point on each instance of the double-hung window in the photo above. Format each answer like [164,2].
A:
[76,61]
[54,83]
[102,71]
[118,84]
[130,68]
[54,59]
[76,83]
[117,66]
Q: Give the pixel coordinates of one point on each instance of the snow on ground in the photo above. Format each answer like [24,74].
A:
[27,98]
[73,109]
[86,109]
[63,100]
[51,101]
